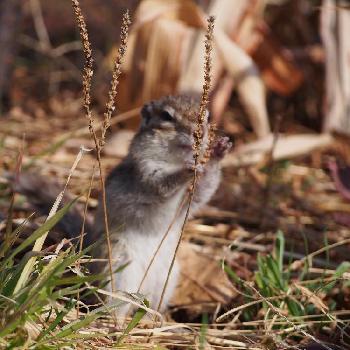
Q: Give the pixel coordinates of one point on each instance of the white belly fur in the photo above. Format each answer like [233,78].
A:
[138,248]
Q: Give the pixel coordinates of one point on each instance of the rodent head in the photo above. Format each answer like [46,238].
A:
[166,131]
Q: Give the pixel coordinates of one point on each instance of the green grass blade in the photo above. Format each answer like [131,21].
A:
[8,287]
[279,249]
[79,279]
[203,332]
[57,320]
[40,231]
[7,244]
[134,322]
[275,274]
[74,326]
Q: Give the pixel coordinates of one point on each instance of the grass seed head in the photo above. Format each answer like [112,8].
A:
[110,105]
[88,67]
[198,133]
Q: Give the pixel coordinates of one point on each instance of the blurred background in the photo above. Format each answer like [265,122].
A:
[40,56]
[272,59]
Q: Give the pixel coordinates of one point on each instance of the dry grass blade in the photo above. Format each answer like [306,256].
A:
[241,307]
[285,318]
[129,299]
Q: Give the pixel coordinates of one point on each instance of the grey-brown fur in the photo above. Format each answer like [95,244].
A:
[145,190]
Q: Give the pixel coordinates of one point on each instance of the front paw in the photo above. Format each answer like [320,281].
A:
[191,166]
[220,147]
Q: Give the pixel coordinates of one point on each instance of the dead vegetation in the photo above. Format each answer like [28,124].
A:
[264,266]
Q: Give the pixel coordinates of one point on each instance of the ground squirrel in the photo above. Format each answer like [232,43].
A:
[144,192]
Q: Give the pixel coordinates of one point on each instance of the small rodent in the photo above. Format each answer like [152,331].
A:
[144,192]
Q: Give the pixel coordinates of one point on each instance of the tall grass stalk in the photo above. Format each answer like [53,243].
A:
[198,140]
[110,106]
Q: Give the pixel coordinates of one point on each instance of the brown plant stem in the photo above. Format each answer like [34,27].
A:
[198,141]
[87,78]
[81,238]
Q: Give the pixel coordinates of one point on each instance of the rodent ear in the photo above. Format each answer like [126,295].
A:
[146,115]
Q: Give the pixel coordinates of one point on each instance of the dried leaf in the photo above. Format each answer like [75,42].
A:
[202,279]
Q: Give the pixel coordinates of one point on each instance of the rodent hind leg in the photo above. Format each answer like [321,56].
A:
[155,282]
[127,281]
[152,289]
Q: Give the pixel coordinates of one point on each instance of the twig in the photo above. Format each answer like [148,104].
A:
[39,24]
[285,318]
[56,54]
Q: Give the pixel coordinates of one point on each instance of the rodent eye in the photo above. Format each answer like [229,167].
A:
[166,116]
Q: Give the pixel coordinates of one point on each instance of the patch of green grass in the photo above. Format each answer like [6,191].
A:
[279,291]
[40,314]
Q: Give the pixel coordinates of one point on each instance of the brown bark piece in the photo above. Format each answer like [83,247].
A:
[202,279]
